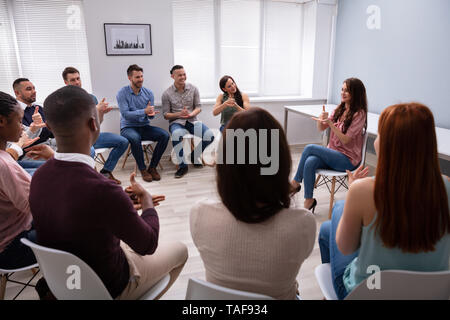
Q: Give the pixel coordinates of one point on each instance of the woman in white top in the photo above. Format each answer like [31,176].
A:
[251,239]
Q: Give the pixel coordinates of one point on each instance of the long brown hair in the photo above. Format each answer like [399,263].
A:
[358,102]
[237,95]
[250,196]
[410,196]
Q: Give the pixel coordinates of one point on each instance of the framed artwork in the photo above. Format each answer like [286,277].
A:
[125,39]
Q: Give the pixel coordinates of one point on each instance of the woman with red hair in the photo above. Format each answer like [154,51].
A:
[399,220]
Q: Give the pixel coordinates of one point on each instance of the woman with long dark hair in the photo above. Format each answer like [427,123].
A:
[230,101]
[346,140]
[251,239]
[399,220]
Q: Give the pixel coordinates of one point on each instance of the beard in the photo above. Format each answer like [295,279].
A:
[138,84]
[29,100]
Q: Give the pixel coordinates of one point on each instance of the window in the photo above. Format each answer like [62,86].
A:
[38,40]
[257,42]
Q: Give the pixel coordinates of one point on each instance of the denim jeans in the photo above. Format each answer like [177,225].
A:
[17,255]
[30,166]
[317,157]
[198,129]
[330,253]
[118,144]
[136,134]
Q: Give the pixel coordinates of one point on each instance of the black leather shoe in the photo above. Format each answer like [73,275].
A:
[313,206]
[181,172]
[293,190]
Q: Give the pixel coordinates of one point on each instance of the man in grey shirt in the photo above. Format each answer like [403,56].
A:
[181,105]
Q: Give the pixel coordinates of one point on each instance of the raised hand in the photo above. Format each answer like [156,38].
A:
[37,123]
[323,117]
[103,107]
[150,110]
[25,141]
[40,151]
[358,174]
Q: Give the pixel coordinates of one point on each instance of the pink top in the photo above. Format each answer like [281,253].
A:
[353,148]
[15,214]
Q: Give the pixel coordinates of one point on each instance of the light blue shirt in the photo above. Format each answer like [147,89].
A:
[373,252]
[132,107]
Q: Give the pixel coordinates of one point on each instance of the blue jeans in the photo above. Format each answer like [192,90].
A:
[317,157]
[198,129]
[118,144]
[330,253]
[30,166]
[136,134]
[17,255]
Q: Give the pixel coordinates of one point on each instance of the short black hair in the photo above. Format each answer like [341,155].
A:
[176,67]
[7,104]
[69,70]
[18,81]
[65,108]
[133,67]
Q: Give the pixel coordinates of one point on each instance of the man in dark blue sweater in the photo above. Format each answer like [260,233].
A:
[78,210]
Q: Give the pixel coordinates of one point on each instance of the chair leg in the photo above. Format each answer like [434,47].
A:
[153,150]
[317,181]
[126,156]
[3,280]
[103,159]
[333,184]
[144,149]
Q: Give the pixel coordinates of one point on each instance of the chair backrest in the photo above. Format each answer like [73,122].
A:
[405,285]
[202,290]
[68,277]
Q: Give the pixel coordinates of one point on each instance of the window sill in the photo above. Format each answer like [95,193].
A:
[270,99]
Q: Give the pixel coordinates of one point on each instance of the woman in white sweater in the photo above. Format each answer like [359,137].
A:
[251,239]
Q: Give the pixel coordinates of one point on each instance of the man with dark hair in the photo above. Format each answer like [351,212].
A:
[181,105]
[91,216]
[32,114]
[136,105]
[118,143]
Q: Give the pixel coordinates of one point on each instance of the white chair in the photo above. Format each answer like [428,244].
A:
[189,138]
[202,290]
[98,155]
[147,148]
[5,275]
[331,176]
[394,285]
[58,266]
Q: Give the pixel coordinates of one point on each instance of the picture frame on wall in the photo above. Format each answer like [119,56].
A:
[126,39]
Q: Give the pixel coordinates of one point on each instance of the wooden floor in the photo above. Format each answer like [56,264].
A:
[181,194]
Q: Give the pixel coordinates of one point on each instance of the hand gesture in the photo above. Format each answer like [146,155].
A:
[103,107]
[230,102]
[25,141]
[150,110]
[40,151]
[143,197]
[37,121]
[184,114]
[358,174]
[323,117]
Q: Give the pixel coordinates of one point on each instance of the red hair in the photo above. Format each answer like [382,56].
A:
[410,196]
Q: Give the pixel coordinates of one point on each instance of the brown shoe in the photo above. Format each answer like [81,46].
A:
[146,176]
[110,176]
[154,173]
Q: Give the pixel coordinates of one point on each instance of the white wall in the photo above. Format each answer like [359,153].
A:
[108,73]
